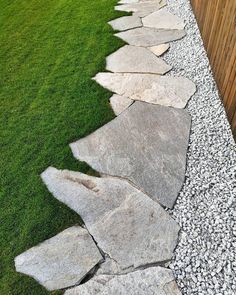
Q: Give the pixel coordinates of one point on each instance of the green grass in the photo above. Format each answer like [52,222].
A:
[49,50]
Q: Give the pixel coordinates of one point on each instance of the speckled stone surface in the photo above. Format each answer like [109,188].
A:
[141,146]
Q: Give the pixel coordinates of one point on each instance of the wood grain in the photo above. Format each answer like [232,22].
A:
[217,23]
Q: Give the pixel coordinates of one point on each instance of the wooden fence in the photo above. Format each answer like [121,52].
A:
[217,23]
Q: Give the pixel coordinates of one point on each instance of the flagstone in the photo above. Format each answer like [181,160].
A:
[159,49]
[148,235]
[163,19]
[142,8]
[155,89]
[62,261]
[153,280]
[120,103]
[146,144]
[126,23]
[133,59]
[148,37]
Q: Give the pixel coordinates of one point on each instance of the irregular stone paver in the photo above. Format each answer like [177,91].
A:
[147,37]
[154,280]
[126,23]
[148,235]
[163,19]
[142,8]
[133,59]
[159,49]
[61,261]
[155,89]
[120,103]
[146,144]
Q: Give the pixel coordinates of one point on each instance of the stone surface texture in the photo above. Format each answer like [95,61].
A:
[142,8]
[126,23]
[148,235]
[163,19]
[148,37]
[62,261]
[133,59]
[146,144]
[120,103]
[159,49]
[154,280]
[155,89]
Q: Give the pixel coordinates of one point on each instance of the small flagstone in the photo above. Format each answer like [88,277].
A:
[133,59]
[146,144]
[163,19]
[142,8]
[62,261]
[155,89]
[148,235]
[120,103]
[126,23]
[154,280]
[159,49]
[148,37]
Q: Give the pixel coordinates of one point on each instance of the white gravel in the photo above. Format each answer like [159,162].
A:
[205,259]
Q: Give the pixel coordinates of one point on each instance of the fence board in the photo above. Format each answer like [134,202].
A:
[217,23]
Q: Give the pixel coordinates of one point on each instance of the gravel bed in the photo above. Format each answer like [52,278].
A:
[205,258]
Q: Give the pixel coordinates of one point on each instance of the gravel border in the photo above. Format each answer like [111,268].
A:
[205,258]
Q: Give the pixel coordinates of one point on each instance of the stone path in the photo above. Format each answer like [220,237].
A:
[128,237]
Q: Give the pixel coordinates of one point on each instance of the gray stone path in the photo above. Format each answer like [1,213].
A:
[126,23]
[141,156]
[132,59]
[146,144]
[62,261]
[147,37]
[163,19]
[154,280]
[155,89]
[148,235]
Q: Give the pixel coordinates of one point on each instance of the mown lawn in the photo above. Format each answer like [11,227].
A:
[49,50]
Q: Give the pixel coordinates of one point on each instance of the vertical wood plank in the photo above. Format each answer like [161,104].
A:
[217,23]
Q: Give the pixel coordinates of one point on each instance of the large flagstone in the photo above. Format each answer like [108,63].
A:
[147,37]
[126,23]
[62,261]
[133,59]
[153,280]
[146,144]
[163,19]
[142,8]
[126,224]
[155,89]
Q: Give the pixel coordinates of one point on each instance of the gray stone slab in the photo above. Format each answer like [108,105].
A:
[146,144]
[147,37]
[126,23]
[142,8]
[62,261]
[133,59]
[154,280]
[155,89]
[163,19]
[148,235]
[159,49]
[120,103]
